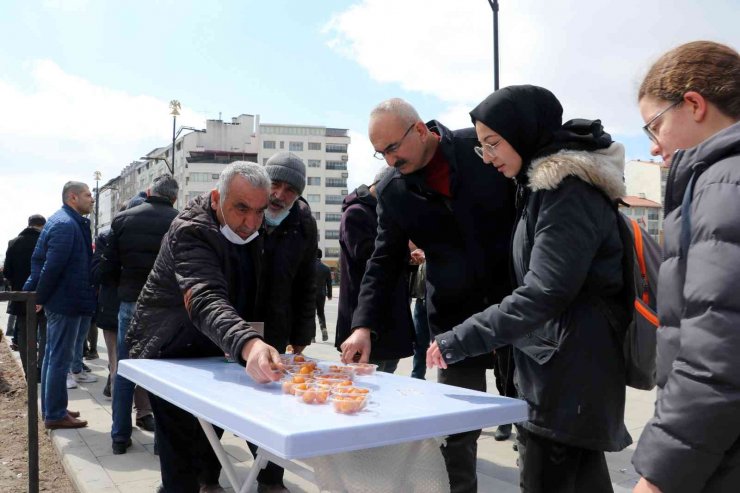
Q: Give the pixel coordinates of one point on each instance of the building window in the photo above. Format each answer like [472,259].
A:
[345,175]
[653,214]
[332,217]
[316,215]
[341,148]
[314,198]
[314,163]
[314,180]
[215,176]
[282,144]
[336,182]
[331,252]
[345,191]
[334,199]
[331,234]
[314,146]
[340,165]
[295,146]
[268,144]
[203,177]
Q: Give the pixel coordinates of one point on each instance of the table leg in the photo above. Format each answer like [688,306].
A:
[260,462]
[223,458]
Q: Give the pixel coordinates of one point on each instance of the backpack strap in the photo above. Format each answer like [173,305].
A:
[640,257]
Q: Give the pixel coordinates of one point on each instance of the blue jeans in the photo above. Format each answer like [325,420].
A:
[421,327]
[61,334]
[123,388]
[76,366]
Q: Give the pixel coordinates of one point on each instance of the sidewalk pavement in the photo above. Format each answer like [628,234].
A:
[89,461]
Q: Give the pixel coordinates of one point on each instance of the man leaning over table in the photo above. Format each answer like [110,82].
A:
[195,303]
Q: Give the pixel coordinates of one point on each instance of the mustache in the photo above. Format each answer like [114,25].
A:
[399,163]
[277,202]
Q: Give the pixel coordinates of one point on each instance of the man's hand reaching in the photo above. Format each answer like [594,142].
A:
[263,361]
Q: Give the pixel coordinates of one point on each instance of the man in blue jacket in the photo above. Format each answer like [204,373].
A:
[60,275]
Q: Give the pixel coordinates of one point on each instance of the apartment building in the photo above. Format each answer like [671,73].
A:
[201,154]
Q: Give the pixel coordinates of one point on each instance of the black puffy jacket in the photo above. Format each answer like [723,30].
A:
[187,306]
[567,257]
[133,245]
[106,316]
[692,444]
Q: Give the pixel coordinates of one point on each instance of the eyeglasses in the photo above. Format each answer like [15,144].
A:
[393,147]
[648,128]
[489,149]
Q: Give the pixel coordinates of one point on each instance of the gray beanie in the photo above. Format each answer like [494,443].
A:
[287,167]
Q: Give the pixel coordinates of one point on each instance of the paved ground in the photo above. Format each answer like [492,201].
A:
[92,467]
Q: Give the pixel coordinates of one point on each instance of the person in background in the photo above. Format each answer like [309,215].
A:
[133,245]
[690,102]
[323,292]
[357,233]
[16,268]
[60,275]
[418,292]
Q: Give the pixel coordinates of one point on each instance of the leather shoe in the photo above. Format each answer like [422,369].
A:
[502,433]
[120,447]
[66,422]
[74,414]
[146,423]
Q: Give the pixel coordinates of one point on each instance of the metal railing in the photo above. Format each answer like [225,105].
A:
[29,298]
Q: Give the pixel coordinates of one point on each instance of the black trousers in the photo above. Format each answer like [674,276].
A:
[552,467]
[186,458]
[460,453]
[320,302]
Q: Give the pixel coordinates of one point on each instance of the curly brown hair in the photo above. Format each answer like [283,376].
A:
[706,67]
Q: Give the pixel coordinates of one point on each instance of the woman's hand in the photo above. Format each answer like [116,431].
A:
[434,357]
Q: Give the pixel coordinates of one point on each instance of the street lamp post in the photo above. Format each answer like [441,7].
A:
[175,112]
[97,175]
[494,8]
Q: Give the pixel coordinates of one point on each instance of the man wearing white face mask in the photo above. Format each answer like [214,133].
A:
[195,303]
[287,293]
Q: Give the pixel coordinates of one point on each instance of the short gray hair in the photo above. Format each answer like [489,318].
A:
[399,108]
[165,186]
[252,172]
[72,187]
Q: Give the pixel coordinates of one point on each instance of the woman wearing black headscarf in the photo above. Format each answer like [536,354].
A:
[563,318]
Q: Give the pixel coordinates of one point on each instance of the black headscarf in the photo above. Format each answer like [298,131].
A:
[530,119]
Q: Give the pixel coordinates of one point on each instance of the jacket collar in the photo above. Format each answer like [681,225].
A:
[154,199]
[686,161]
[603,169]
[75,215]
[417,180]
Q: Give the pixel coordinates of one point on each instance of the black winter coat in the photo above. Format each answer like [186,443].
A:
[288,287]
[133,245]
[323,280]
[17,265]
[568,353]
[187,306]
[357,232]
[465,239]
[692,444]
[106,317]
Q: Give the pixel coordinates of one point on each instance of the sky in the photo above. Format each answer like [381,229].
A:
[85,84]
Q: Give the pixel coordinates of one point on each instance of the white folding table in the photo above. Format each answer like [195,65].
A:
[403,409]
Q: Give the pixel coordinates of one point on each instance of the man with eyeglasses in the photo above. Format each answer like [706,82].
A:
[460,212]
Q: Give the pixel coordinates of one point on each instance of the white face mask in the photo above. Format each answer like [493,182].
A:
[276,219]
[235,238]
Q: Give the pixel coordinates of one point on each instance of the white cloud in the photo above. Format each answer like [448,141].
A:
[362,166]
[590,54]
[61,127]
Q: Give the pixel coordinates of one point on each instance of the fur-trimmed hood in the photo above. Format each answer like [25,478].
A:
[603,168]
